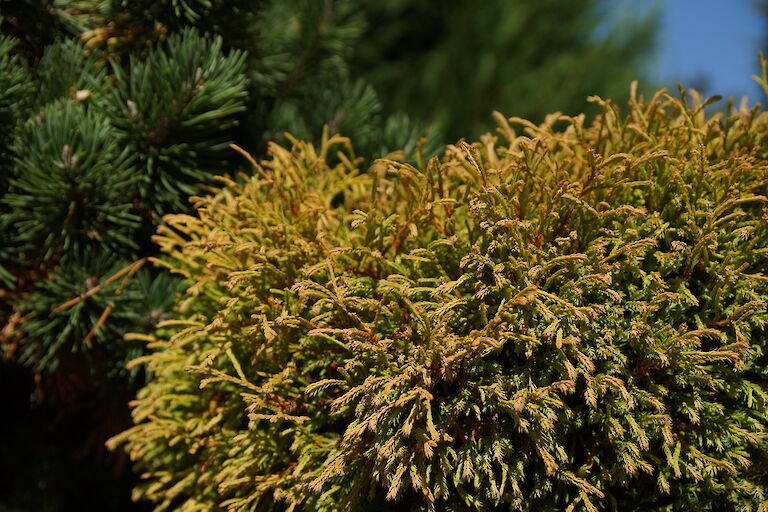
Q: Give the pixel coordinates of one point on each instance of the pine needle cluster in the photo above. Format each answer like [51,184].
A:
[93,162]
[560,317]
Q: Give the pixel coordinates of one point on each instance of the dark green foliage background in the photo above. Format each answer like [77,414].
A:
[457,63]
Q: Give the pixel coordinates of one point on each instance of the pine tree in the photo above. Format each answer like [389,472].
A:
[88,176]
[15,95]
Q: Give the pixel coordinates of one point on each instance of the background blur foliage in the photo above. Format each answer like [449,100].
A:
[456,64]
[543,320]
[115,112]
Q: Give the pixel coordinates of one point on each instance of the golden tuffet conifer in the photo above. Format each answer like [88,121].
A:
[559,317]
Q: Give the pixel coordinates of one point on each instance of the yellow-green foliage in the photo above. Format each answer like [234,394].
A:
[562,318]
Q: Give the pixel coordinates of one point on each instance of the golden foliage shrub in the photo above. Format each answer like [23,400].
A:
[559,317]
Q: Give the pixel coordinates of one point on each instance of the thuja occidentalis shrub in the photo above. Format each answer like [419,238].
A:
[560,317]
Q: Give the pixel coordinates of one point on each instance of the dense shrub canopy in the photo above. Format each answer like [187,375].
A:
[563,319]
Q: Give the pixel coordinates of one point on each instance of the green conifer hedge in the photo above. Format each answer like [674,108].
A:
[545,320]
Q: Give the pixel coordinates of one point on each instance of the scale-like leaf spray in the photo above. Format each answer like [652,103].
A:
[556,319]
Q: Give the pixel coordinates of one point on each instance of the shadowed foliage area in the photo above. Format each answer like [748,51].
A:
[456,64]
